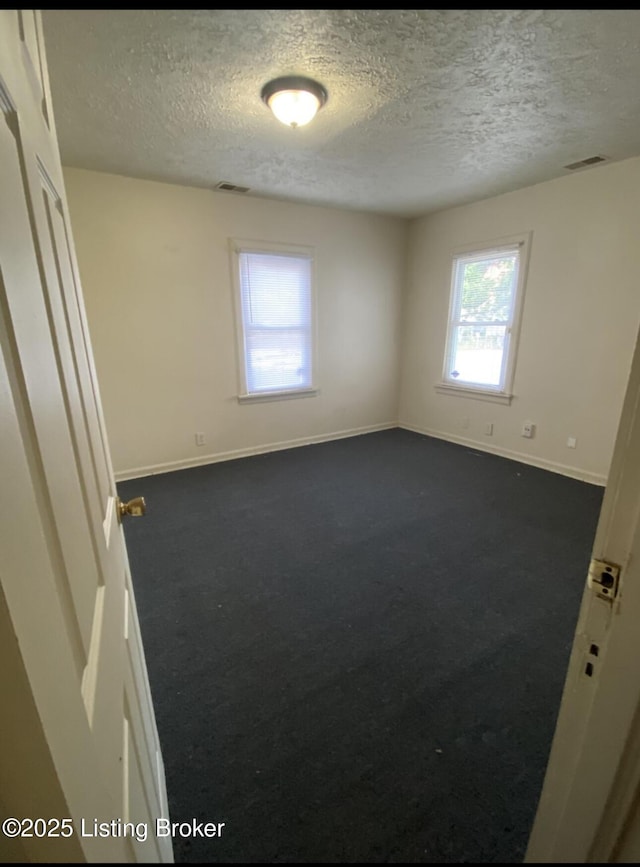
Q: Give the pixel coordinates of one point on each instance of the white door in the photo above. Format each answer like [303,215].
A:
[588,809]
[78,738]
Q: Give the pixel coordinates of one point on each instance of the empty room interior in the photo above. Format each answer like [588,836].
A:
[367,373]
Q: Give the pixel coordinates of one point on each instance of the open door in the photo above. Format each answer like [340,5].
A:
[589,808]
[79,749]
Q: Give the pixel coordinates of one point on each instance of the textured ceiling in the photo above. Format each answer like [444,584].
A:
[427,108]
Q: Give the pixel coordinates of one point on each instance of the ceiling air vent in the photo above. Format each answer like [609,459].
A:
[590,161]
[231,188]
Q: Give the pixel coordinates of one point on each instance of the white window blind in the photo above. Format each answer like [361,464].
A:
[275,291]
[481,321]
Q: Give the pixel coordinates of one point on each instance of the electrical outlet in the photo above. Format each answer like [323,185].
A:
[572,442]
[199,438]
[528,429]
[488,429]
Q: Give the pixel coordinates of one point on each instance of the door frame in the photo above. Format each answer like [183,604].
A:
[593,773]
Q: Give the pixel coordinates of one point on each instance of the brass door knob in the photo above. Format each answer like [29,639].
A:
[136,508]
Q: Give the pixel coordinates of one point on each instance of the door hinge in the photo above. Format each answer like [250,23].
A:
[604,579]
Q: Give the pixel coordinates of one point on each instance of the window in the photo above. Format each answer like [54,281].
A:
[486,299]
[274,307]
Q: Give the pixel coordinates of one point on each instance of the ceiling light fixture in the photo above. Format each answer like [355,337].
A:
[293,99]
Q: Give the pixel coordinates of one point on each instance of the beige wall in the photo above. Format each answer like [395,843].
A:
[154,263]
[579,324]
[155,267]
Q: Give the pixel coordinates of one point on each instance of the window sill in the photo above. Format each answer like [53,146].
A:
[474,393]
[262,396]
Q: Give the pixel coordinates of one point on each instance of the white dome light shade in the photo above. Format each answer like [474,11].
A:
[293,99]
[294,107]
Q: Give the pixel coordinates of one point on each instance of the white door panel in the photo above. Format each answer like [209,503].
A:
[65,576]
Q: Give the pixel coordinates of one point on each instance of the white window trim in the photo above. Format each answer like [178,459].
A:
[505,394]
[475,393]
[243,245]
[262,396]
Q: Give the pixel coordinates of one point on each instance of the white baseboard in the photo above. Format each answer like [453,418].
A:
[216,457]
[542,463]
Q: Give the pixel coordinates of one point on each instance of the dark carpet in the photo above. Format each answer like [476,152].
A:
[357,649]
